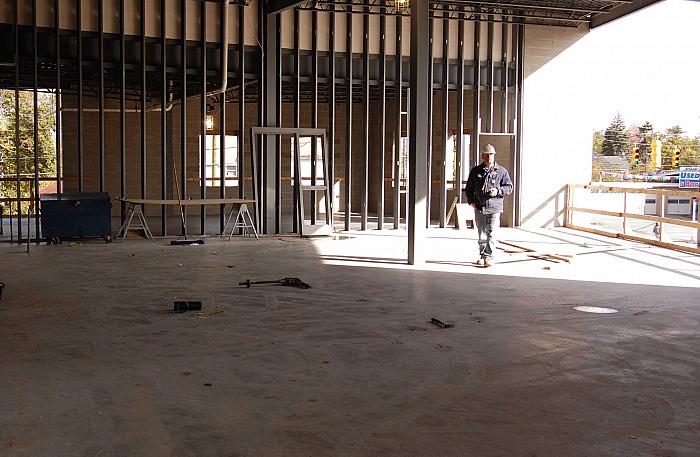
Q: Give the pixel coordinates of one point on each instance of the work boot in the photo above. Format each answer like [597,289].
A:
[480,262]
[487,263]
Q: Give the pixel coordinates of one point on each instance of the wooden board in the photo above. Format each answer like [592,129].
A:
[464,213]
[193,202]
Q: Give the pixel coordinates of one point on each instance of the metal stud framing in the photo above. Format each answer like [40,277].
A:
[348,125]
[142,77]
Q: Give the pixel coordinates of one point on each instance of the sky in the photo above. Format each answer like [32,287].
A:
[647,67]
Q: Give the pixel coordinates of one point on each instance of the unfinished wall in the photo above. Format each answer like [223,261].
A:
[556,140]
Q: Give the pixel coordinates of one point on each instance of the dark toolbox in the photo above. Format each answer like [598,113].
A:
[76,215]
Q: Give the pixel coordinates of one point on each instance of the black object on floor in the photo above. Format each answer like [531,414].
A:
[2,286]
[185,242]
[184,306]
[291,282]
[441,324]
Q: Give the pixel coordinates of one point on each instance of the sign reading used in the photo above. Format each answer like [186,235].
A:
[689,177]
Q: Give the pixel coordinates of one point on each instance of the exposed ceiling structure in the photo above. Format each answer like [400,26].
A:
[566,13]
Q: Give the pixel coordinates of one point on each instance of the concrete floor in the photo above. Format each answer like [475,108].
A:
[94,365]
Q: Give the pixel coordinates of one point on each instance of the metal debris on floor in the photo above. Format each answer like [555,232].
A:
[184,306]
[291,282]
[441,324]
[186,242]
[203,314]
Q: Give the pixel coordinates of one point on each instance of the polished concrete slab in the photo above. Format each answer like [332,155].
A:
[94,364]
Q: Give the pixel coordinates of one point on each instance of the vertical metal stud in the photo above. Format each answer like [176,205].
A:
[298,194]
[476,109]
[122,114]
[314,111]
[101,97]
[445,116]
[57,24]
[518,118]
[382,120]
[278,114]
[429,171]
[203,112]
[222,116]
[18,163]
[504,75]
[365,166]
[183,106]
[35,63]
[331,112]
[81,176]
[490,73]
[241,101]
[459,155]
[397,132]
[163,119]
[143,98]
[348,123]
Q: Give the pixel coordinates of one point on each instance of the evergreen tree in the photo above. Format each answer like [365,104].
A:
[615,139]
[646,133]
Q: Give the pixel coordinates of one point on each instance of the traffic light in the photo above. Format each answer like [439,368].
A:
[635,156]
[676,158]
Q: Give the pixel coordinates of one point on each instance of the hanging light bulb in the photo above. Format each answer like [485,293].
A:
[402,4]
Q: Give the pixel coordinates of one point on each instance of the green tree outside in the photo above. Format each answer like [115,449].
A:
[8,152]
[615,138]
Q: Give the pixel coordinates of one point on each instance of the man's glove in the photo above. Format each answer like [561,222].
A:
[493,192]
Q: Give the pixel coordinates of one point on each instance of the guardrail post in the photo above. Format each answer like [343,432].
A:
[624,213]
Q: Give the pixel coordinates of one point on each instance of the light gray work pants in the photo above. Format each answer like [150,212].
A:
[486,224]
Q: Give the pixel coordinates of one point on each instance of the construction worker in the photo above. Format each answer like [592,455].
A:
[487,186]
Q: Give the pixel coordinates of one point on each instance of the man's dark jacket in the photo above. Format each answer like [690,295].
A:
[481,180]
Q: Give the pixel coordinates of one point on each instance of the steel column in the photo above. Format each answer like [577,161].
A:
[418,135]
